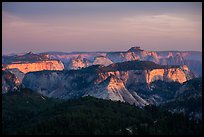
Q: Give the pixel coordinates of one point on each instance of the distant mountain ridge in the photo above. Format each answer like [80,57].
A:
[188,58]
[77,60]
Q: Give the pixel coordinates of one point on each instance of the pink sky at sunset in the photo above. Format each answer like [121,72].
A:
[72,30]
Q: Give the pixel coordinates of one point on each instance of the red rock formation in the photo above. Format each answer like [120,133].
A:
[37,66]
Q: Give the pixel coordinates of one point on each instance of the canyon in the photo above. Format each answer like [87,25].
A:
[104,82]
[108,75]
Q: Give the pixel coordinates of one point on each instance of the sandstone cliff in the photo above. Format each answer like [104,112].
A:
[37,66]
[103,82]
[180,74]
[114,89]
[101,60]
[10,82]
[20,75]
[78,62]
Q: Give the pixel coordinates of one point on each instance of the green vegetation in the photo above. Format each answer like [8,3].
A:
[124,66]
[164,90]
[27,112]
[137,65]
[188,100]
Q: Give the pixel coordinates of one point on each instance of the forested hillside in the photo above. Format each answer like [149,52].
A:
[27,112]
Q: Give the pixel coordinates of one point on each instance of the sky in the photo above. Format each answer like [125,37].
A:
[100,26]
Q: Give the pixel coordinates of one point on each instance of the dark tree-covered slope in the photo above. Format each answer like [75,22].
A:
[27,112]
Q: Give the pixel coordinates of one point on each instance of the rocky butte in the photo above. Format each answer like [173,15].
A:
[32,62]
[37,66]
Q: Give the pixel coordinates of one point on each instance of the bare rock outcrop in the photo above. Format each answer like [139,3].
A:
[101,60]
[78,62]
[37,66]
[10,82]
